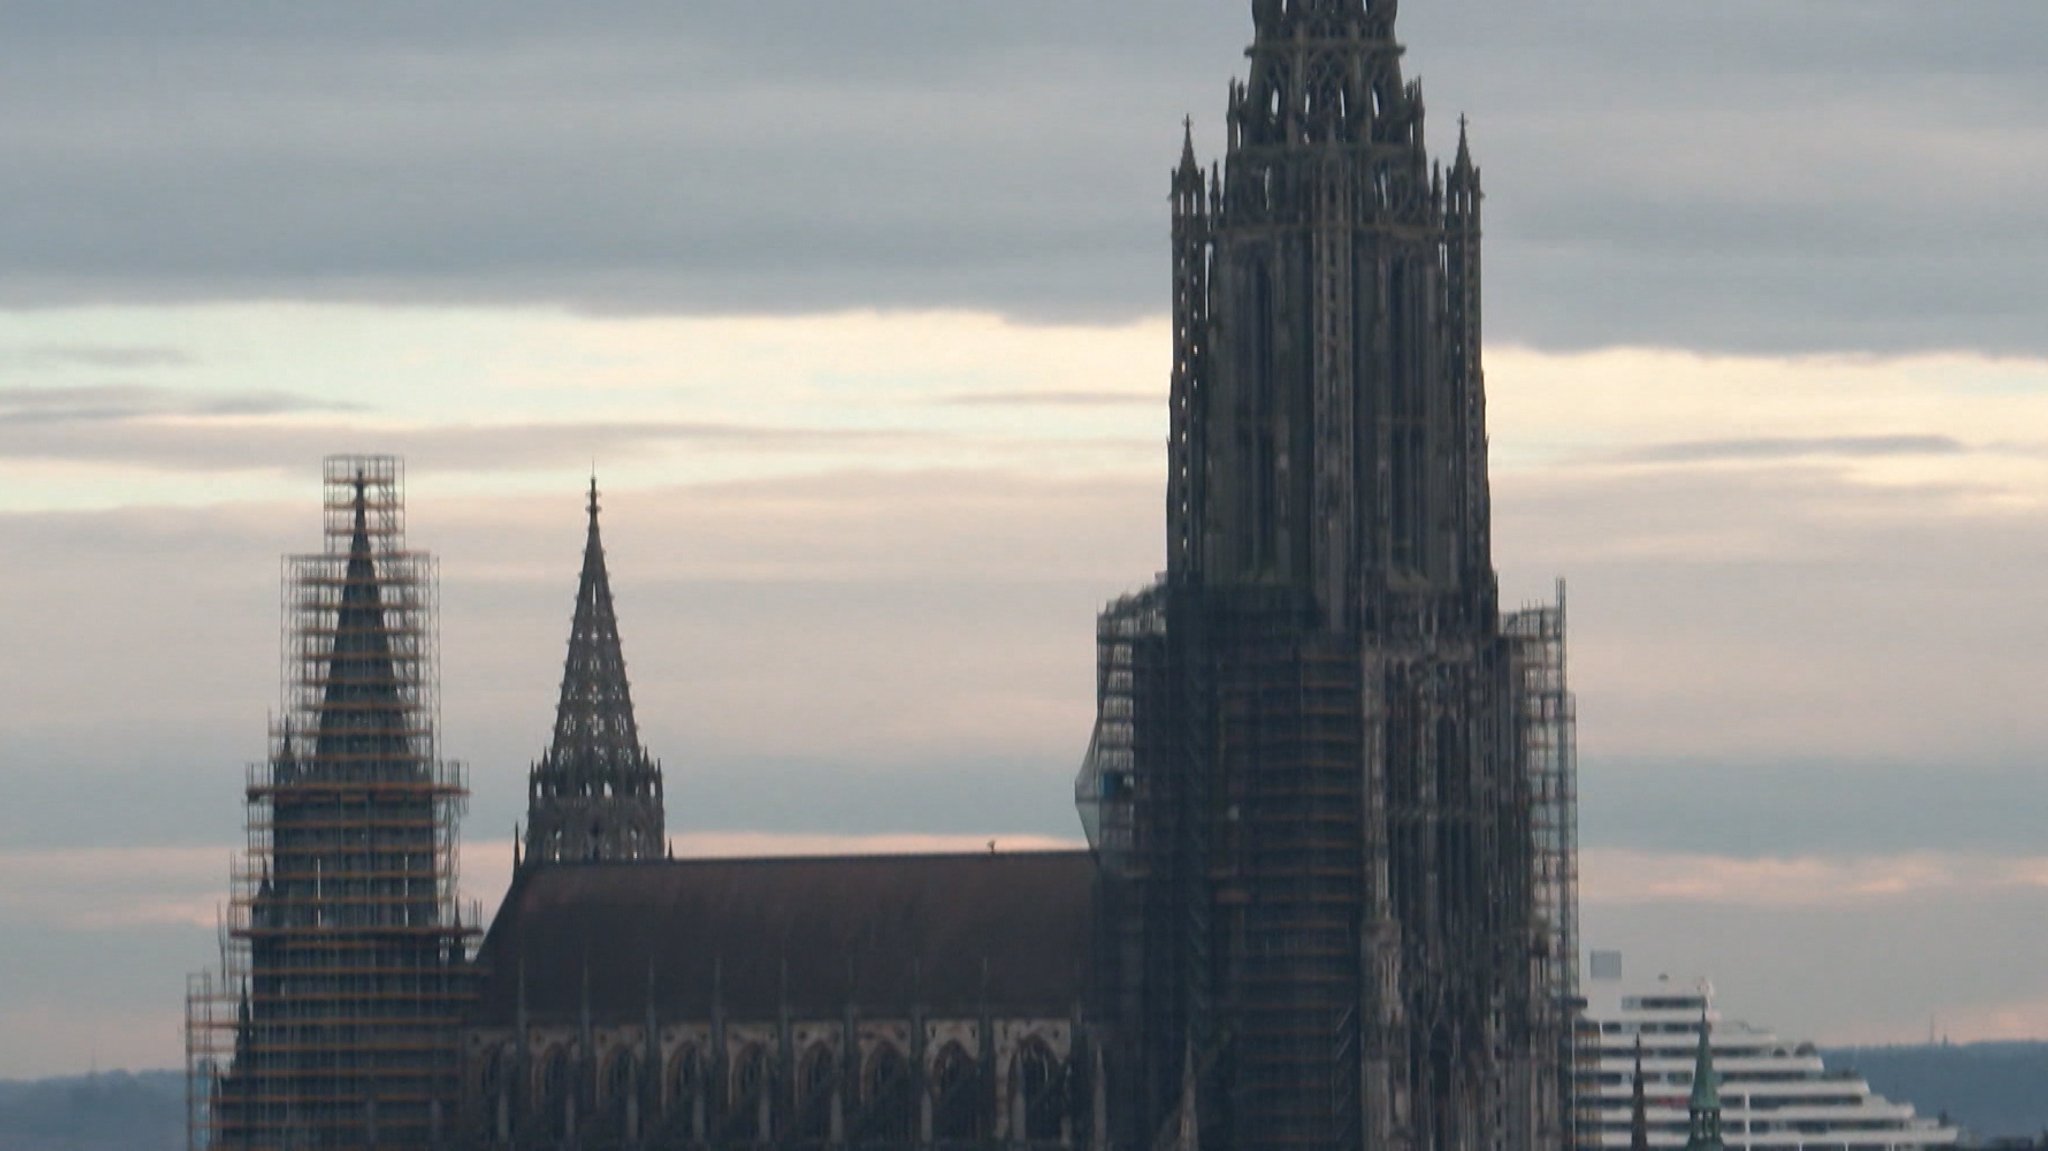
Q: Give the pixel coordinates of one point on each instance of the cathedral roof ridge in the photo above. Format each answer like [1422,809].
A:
[749,937]
[1042,855]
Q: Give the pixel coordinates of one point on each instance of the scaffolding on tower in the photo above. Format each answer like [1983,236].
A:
[332,1018]
[1546,724]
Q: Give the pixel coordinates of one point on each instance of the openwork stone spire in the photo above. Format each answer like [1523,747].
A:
[596,793]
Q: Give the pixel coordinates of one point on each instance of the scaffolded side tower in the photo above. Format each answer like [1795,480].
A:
[1547,726]
[333,1019]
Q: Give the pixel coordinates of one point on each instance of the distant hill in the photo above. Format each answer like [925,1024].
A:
[112,1111]
[1993,1089]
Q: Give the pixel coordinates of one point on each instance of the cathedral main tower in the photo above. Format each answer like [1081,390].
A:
[1331,884]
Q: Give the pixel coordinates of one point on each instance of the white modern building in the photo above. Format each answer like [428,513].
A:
[1775,1095]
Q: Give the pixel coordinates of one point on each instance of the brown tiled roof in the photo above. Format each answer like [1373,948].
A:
[948,933]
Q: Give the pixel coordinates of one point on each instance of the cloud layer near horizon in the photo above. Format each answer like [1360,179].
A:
[871,617]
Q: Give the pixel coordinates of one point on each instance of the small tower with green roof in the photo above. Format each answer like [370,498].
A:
[1704,1132]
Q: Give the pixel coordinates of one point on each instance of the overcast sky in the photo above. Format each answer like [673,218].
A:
[858,310]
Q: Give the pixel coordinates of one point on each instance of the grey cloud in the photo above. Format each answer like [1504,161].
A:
[1808,666]
[1792,448]
[1071,399]
[1820,973]
[1750,175]
[1787,615]
[117,428]
[859,652]
[1743,807]
[116,403]
[106,356]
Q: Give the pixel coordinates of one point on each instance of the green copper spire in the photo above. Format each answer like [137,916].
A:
[1705,1106]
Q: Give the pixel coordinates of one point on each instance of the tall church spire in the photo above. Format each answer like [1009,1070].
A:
[596,710]
[344,905]
[361,703]
[596,793]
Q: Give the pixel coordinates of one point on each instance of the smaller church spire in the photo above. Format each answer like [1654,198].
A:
[1704,1130]
[1464,173]
[596,793]
[1187,176]
[596,704]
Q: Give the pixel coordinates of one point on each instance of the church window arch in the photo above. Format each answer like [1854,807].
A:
[621,1089]
[494,1093]
[749,1077]
[553,1090]
[956,1088]
[1041,1080]
[817,1075]
[686,1089]
[491,1079]
[888,1108]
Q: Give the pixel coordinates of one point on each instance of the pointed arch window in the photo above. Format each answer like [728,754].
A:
[555,1092]
[622,1094]
[888,1111]
[1042,1085]
[956,1088]
[686,1092]
[749,1078]
[816,1078]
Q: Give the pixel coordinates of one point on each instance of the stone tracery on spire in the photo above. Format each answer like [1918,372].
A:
[596,793]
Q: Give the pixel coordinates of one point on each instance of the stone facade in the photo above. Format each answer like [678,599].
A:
[1308,779]
[789,1083]
[928,1001]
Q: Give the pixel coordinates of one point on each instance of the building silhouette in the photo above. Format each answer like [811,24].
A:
[1329,784]
[1329,899]
[927,1001]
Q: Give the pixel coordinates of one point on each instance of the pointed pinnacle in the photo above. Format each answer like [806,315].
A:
[362,512]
